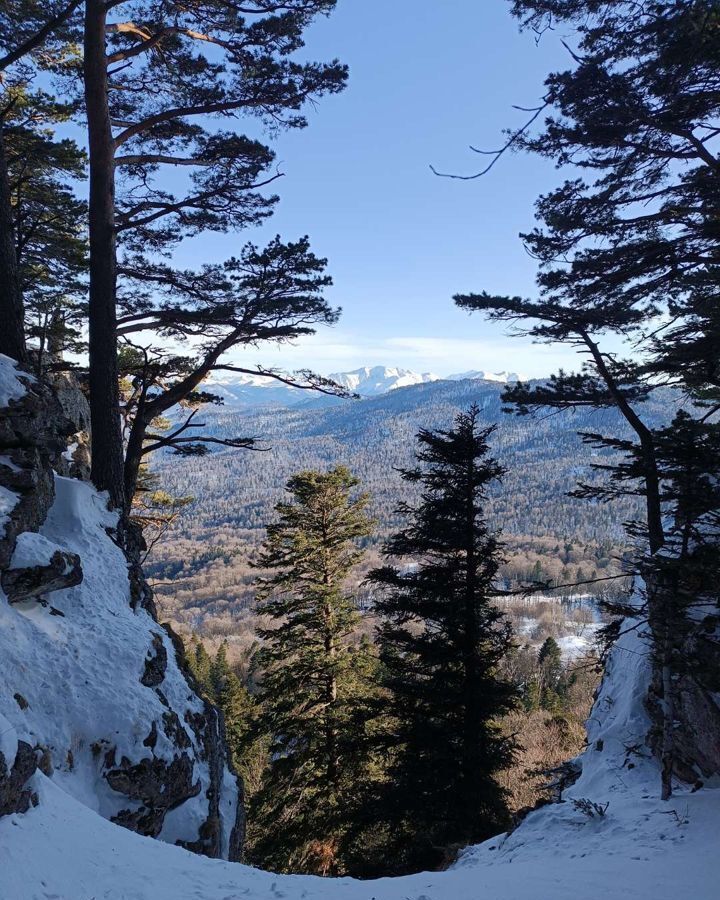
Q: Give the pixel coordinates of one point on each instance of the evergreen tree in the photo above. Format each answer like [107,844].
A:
[441,641]
[200,664]
[248,747]
[26,27]
[156,80]
[628,248]
[314,687]
[550,665]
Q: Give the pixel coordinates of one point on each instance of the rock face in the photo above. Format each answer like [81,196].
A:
[15,794]
[95,693]
[33,433]
[696,735]
[62,571]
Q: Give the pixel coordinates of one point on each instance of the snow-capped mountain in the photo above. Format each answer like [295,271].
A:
[256,391]
[480,375]
[372,381]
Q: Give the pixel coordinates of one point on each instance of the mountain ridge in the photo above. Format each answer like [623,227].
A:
[254,391]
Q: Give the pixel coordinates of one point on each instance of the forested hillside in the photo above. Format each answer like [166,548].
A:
[201,565]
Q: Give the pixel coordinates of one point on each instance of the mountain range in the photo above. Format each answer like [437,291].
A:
[257,391]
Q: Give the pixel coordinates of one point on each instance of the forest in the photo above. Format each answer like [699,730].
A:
[398,607]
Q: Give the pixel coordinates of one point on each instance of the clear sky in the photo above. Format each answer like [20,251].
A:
[427,79]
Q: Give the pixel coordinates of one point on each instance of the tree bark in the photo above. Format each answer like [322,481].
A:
[107,450]
[12,332]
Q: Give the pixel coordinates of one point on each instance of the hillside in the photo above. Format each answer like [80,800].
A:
[201,568]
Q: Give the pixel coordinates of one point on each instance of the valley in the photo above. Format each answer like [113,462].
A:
[202,568]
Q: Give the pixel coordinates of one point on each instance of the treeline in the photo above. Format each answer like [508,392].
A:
[544,457]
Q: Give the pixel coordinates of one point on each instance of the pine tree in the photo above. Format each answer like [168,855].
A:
[441,641]
[313,686]
[627,247]
[248,747]
[155,77]
[200,664]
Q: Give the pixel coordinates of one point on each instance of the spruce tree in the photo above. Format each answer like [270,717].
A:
[441,641]
[314,675]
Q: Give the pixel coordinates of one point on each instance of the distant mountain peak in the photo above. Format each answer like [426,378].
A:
[479,375]
[372,381]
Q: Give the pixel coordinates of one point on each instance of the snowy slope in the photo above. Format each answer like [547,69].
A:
[640,849]
[249,391]
[70,676]
[481,375]
[373,381]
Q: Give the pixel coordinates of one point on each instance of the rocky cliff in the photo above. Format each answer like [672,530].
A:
[93,691]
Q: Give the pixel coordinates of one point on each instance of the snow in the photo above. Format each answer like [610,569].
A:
[69,453]
[372,381]
[8,742]
[32,550]
[11,388]
[9,464]
[80,672]
[479,375]
[574,646]
[8,501]
[640,849]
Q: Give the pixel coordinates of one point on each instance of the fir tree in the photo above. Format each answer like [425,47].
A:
[314,678]
[441,641]
[550,665]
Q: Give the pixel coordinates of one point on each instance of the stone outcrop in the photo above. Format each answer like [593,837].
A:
[696,735]
[33,432]
[15,795]
[34,582]
[179,760]
[157,786]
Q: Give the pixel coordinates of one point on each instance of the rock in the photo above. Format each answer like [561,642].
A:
[15,795]
[33,436]
[63,571]
[157,785]
[155,663]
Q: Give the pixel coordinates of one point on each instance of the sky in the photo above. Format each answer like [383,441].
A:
[427,80]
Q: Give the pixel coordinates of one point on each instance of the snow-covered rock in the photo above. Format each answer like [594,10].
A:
[103,696]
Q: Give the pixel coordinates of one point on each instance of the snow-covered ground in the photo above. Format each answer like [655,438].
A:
[639,849]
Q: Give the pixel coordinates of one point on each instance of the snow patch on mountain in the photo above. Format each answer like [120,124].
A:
[372,381]
[255,391]
[480,375]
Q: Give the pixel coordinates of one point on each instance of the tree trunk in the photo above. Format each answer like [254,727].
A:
[107,450]
[12,332]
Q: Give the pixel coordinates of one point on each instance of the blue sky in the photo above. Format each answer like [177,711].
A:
[427,79]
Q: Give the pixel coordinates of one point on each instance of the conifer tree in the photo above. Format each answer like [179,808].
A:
[441,641]
[313,688]
[627,248]
[161,84]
